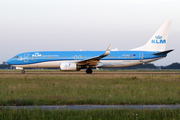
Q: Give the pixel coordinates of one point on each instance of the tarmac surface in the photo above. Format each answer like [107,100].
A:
[82,73]
[93,107]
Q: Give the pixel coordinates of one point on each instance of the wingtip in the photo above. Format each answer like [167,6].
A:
[110,46]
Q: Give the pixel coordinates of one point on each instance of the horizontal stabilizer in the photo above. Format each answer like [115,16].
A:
[163,52]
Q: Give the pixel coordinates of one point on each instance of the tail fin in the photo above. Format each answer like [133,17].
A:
[159,40]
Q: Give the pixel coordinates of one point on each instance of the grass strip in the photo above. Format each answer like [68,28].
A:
[107,114]
[102,89]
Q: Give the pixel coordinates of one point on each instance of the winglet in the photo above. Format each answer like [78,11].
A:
[108,50]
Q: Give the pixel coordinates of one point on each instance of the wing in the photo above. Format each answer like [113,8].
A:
[95,60]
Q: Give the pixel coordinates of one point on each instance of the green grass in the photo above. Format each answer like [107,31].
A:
[108,114]
[102,89]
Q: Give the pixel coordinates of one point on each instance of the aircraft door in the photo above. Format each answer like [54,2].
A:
[140,57]
[75,57]
[26,57]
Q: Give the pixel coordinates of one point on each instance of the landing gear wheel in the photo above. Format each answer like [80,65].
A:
[22,71]
[89,71]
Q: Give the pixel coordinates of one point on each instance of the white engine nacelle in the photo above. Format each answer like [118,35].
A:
[68,66]
[19,68]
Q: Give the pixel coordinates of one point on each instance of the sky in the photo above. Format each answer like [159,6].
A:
[67,25]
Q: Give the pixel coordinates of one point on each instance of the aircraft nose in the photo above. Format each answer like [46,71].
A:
[9,61]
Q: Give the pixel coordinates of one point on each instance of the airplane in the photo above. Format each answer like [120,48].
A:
[153,50]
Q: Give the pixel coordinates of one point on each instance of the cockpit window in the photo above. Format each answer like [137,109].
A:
[16,57]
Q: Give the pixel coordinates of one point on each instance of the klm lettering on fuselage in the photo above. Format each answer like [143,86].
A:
[158,40]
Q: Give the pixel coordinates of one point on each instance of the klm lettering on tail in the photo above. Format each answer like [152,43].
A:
[158,40]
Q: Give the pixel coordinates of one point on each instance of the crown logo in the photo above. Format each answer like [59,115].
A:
[158,37]
[66,66]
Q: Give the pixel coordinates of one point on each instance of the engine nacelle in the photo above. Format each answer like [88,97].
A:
[68,66]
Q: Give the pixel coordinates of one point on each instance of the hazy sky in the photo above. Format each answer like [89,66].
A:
[63,25]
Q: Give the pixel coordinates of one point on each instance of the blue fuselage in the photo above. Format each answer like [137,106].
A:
[45,59]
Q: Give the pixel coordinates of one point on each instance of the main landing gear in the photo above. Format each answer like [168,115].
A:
[89,71]
[22,71]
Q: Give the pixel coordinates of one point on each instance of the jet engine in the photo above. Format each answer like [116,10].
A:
[68,66]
